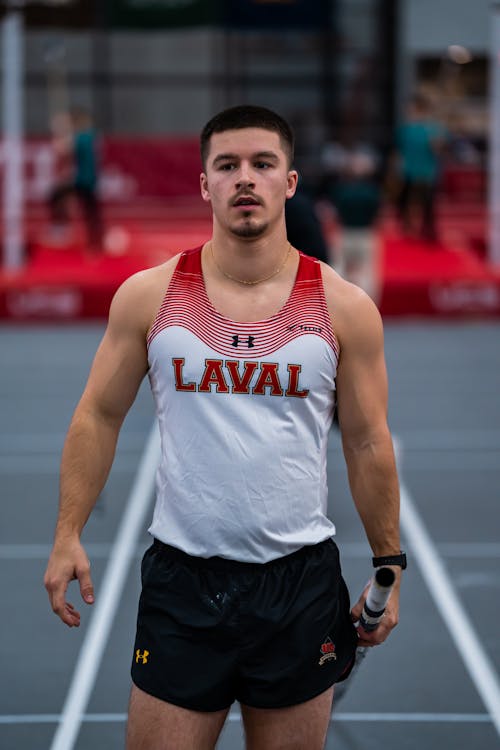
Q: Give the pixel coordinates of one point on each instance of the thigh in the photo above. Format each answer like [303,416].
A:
[154,724]
[300,727]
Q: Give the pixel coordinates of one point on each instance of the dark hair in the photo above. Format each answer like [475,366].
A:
[247,116]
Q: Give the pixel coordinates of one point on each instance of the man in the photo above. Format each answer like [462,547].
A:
[303,226]
[420,144]
[81,154]
[357,198]
[246,343]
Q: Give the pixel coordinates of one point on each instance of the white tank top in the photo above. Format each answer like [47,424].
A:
[244,412]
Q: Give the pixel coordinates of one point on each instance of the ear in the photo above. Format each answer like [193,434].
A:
[204,187]
[292,180]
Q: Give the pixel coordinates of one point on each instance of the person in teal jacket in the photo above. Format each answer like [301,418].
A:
[83,180]
[419,143]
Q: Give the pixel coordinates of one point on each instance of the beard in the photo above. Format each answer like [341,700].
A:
[249,229]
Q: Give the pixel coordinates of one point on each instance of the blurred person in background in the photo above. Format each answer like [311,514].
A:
[303,226]
[75,143]
[61,131]
[419,146]
[356,196]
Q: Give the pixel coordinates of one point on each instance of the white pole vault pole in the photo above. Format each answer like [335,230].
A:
[13,199]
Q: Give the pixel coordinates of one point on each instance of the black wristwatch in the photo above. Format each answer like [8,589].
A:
[390,560]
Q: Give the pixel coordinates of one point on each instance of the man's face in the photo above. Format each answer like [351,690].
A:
[247,180]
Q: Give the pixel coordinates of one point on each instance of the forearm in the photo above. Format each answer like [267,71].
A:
[375,490]
[86,461]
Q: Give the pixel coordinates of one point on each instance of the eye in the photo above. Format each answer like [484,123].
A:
[262,165]
[226,167]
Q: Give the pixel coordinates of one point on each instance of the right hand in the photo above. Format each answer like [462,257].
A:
[388,622]
[67,562]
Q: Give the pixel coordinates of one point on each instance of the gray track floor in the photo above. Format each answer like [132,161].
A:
[414,692]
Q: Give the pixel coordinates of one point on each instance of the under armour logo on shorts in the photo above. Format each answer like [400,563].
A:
[141,657]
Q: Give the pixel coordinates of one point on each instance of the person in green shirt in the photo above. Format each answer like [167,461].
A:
[357,199]
[419,144]
[82,180]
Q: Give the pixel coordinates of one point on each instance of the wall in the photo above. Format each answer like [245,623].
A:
[431,25]
[428,27]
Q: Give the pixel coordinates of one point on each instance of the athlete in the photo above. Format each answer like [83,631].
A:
[249,346]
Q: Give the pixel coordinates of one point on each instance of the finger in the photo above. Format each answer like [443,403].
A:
[373,637]
[86,587]
[358,607]
[366,639]
[70,616]
[356,611]
[57,596]
[65,611]
[362,643]
[56,590]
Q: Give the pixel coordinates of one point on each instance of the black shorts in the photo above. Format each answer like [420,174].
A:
[211,631]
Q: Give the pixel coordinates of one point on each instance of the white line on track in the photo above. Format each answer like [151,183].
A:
[236,716]
[108,597]
[454,615]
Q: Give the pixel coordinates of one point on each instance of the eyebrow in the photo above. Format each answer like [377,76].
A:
[259,155]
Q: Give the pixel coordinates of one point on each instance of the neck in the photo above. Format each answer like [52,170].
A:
[248,264]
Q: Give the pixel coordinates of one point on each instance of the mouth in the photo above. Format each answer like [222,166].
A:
[246,201]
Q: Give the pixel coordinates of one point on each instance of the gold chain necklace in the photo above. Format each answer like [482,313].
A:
[257,281]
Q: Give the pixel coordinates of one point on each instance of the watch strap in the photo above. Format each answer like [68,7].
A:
[390,560]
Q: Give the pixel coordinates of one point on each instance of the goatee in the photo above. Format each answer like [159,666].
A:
[249,231]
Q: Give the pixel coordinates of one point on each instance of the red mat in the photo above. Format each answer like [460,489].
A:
[447,280]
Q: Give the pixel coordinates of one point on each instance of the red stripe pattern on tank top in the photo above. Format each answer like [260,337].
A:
[186,304]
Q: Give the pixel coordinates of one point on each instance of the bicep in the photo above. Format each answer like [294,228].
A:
[362,380]
[119,366]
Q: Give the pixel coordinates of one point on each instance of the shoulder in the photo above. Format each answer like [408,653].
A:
[355,318]
[137,301]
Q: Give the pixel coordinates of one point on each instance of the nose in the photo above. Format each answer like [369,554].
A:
[244,177]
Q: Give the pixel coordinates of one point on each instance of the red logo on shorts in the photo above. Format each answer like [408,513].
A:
[327,651]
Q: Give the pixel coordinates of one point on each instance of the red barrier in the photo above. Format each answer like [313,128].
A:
[464,182]
[130,168]
[159,168]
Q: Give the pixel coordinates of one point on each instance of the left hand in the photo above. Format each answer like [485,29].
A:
[388,622]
